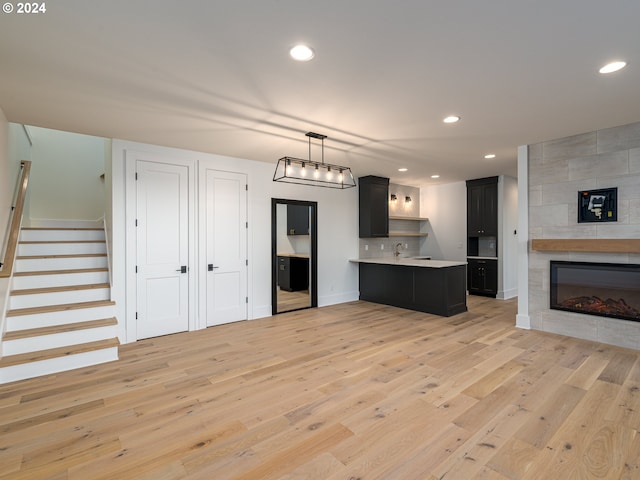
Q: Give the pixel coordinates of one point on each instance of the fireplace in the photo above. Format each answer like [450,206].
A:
[603,289]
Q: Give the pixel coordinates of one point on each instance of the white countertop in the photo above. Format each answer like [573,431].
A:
[409,262]
[293,255]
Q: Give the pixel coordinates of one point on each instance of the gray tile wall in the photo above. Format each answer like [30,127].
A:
[558,169]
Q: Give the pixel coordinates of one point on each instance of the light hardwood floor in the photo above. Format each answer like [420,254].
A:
[288,301]
[352,391]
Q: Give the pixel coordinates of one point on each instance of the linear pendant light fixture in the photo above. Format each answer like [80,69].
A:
[316,174]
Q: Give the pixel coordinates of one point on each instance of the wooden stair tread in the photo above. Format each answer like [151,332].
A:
[22,358]
[56,242]
[76,255]
[62,228]
[60,272]
[59,308]
[62,288]
[53,329]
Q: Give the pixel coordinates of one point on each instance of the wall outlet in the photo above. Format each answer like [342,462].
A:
[366,248]
[406,246]
[382,246]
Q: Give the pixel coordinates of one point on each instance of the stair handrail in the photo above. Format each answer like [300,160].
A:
[16,220]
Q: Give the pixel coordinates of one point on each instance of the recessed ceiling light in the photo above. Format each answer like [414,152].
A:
[451,119]
[403,169]
[490,155]
[613,67]
[435,176]
[301,53]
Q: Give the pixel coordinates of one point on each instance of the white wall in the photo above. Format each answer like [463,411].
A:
[14,147]
[400,208]
[6,184]
[65,176]
[108,201]
[5,205]
[337,228]
[446,208]
[507,244]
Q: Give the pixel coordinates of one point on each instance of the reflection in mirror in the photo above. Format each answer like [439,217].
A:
[294,243]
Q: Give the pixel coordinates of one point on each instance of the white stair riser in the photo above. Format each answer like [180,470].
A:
[38,320]
[73,263]
[58,298]
[60,364]
[45,342]
[61,248]
[57,235]
[57,223]
[59,280]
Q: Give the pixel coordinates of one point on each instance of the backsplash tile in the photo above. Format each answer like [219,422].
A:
[412,248]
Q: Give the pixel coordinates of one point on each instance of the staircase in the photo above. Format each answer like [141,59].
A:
[60,313]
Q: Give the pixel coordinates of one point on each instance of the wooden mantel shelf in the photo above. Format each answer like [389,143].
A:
[602,245]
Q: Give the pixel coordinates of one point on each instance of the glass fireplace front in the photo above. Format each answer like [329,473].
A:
[603,289]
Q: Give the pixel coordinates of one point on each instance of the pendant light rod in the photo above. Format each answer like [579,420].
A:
[317,136]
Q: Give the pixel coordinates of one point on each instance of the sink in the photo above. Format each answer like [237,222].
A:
[421,258]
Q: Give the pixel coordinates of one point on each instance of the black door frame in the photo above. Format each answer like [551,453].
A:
[313,261]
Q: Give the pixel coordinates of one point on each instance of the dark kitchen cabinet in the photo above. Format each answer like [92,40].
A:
[482,207]
[440,291]
[373,201]
[293,273]
[297,220]
[482,277]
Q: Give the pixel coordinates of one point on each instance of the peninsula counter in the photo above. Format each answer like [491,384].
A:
[430,286]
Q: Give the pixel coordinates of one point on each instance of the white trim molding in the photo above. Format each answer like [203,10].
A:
[522,318]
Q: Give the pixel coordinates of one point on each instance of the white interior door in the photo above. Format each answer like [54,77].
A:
[226,247]
[162,210]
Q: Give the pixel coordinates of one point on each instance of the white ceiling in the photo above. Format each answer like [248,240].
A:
[215,76]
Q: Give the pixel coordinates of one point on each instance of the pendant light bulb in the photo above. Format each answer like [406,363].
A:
[316,173]
[303,170]
[329,174]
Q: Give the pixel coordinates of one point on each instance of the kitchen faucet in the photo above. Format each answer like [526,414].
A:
[397,249]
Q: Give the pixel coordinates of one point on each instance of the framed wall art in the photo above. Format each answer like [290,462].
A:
[598,205]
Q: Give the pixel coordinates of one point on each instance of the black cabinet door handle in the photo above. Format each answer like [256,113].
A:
[182,269]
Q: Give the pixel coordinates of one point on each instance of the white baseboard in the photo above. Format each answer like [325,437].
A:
[507,294]
[523,321]
[327,300]
[262,311]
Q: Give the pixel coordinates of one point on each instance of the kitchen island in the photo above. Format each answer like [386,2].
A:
[430,286]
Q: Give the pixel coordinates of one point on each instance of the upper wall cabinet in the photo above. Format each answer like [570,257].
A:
[297,220]
[373,197]
[482,207]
